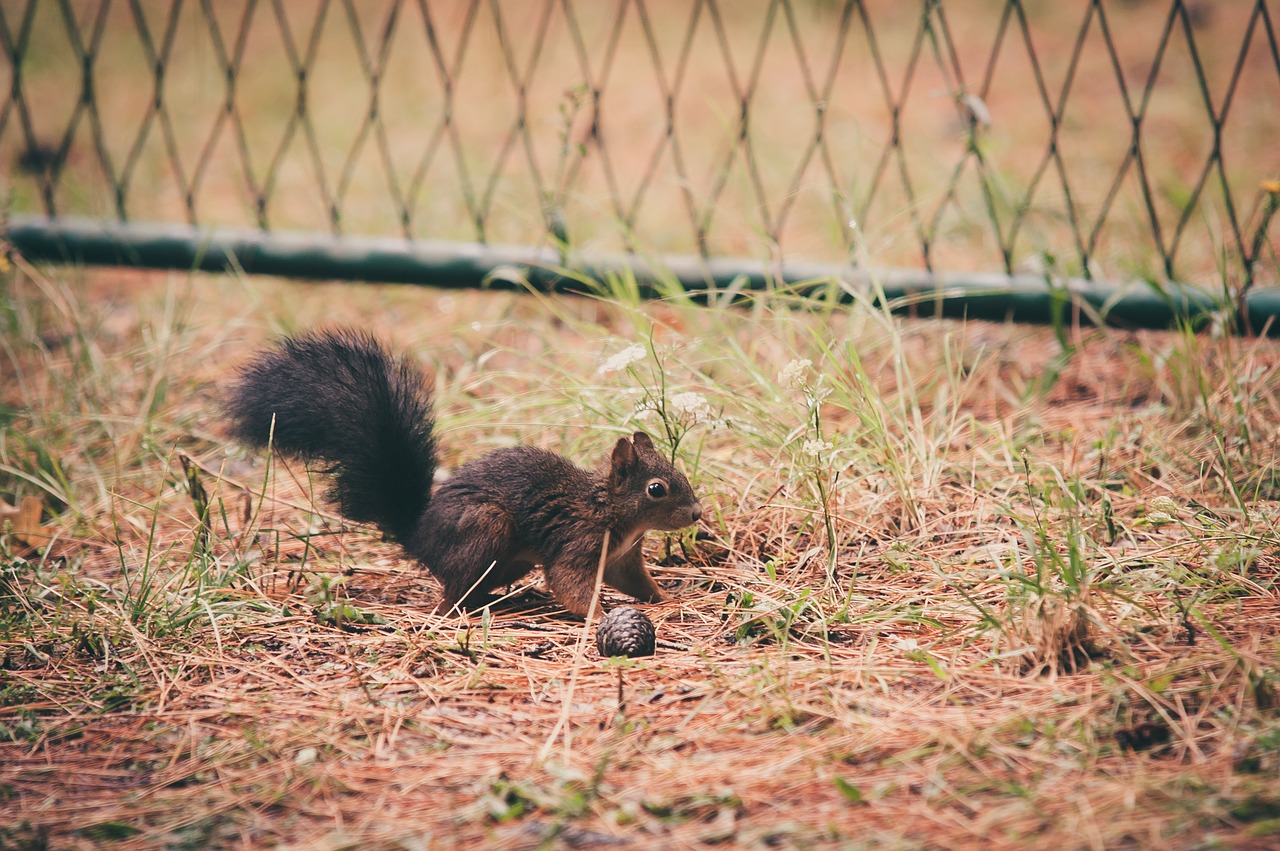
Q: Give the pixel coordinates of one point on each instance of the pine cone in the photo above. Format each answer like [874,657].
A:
[625,632]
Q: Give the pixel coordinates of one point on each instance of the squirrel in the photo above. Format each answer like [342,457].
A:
[341,397]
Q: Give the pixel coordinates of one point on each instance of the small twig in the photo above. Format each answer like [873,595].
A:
[578,654]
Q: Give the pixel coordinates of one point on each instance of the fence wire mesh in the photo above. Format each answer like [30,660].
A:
[1100,139]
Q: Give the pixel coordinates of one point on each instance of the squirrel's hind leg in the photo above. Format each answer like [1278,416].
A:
[472,554]
[498,575]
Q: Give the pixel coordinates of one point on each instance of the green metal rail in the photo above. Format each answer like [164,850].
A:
[997,297]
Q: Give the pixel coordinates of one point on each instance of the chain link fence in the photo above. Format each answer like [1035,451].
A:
[1110,140]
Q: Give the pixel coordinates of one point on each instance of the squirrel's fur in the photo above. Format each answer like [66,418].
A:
[340,397]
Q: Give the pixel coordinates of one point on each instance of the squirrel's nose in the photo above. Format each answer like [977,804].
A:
[696,512]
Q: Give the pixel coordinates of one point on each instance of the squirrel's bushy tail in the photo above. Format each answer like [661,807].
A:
[341,397]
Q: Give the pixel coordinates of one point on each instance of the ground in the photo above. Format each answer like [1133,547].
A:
[958,584]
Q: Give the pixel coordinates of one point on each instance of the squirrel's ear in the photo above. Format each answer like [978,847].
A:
[624,459]
[642,441]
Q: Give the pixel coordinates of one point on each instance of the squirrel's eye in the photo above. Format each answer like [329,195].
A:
[656,490]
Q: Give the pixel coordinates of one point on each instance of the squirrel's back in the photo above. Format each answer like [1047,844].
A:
[341,397]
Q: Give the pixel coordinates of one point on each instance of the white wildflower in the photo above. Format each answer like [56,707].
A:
[623,359]
[816,448]
[691,406]
[795,374]
[906,645]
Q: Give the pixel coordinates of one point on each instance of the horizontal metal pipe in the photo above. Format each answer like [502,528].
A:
[1021,298]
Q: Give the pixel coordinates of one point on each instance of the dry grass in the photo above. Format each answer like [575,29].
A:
[1018,588]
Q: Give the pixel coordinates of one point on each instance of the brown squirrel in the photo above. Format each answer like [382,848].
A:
[341,397]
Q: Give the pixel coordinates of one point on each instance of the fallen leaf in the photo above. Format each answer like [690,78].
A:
[24,524]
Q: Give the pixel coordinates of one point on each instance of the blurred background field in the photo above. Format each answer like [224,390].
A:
[1120,140]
